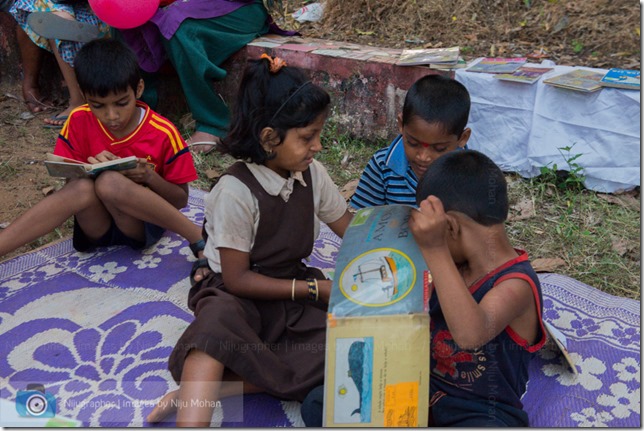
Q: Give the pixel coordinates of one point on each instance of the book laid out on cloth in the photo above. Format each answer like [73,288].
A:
[58,166]
[524,74]
[579,80]
[497,64]
[621,78]
[429,56]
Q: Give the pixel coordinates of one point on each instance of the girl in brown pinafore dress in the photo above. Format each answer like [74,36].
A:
[260,315]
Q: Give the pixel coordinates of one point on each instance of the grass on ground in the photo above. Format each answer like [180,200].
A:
[589,236]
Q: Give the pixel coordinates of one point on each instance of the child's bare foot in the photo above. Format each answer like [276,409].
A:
[165,407]
[202,142]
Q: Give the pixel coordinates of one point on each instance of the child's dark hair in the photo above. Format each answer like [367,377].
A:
[282,100]
[438,99]
[105,66]
[468,182]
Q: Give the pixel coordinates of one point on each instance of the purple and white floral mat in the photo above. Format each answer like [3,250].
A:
[96,330]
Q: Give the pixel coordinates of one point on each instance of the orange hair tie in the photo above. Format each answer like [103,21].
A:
[275,63]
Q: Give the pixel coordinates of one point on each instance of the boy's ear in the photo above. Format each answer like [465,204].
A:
[269,138]
[400,123]
[139,88]
[453,226]
[465,136]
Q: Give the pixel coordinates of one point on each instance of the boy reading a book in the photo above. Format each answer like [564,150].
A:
[130,207]
[432,123]
[486,304]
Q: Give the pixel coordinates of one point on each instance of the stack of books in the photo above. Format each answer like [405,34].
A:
[579,80]
[524,74]
[436,58]
[497,65]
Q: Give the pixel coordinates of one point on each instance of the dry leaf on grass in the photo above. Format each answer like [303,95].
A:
[547,264]
[48,190]
[625,201]
[620,245]
[211,174]
[349,189]
[522,210]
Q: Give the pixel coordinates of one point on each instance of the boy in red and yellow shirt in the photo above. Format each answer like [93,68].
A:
[131,207]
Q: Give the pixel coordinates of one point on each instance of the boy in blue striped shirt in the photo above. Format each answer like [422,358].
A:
[432,123]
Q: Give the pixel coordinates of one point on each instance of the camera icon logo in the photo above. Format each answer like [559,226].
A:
[35,402]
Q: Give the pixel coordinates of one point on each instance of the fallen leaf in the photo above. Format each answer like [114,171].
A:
[620,245]
[625,200]
[211,174]
[48,190]
[349,189]
[523,209]
[547,264]
[4,225]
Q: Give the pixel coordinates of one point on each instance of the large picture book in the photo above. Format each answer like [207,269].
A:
[435,56]
[58,166]
[524,74]
[379,268]
[579,80]
[497,64]
[621,78]
[378,338]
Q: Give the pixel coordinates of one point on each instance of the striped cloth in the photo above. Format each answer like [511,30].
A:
[387,179]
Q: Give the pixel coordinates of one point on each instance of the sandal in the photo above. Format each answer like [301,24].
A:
[210,147]
[197,246]
[199,263]
[51,26]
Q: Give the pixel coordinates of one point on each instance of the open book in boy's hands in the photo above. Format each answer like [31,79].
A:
[58,166]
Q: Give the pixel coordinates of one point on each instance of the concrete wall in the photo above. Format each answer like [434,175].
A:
[366,86]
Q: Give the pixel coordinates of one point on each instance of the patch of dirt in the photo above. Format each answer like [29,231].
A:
[23,145]
[593,33]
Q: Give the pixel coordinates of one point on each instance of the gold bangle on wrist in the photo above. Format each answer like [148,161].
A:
[312,285]
[293,290]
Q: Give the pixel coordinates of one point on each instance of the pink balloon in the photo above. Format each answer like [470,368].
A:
[124,13]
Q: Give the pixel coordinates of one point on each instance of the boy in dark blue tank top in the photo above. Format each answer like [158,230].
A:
[487,304]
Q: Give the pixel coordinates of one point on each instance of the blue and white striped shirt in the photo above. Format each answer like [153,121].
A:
[387,179]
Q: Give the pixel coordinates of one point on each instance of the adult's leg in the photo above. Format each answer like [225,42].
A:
[77,197]
[198,49]
[31,58]
[76,97]
[131,204]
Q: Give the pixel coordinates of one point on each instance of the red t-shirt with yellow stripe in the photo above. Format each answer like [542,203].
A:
[155,139]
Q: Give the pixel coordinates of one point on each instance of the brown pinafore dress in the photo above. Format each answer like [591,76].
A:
[277,345]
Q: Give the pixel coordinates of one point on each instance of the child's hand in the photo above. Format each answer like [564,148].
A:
[103,156]
[429,224]
[141,174]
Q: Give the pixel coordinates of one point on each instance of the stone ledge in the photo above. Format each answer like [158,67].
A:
[366,86]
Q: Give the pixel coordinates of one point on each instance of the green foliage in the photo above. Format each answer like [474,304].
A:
[577,46]
[571,178]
